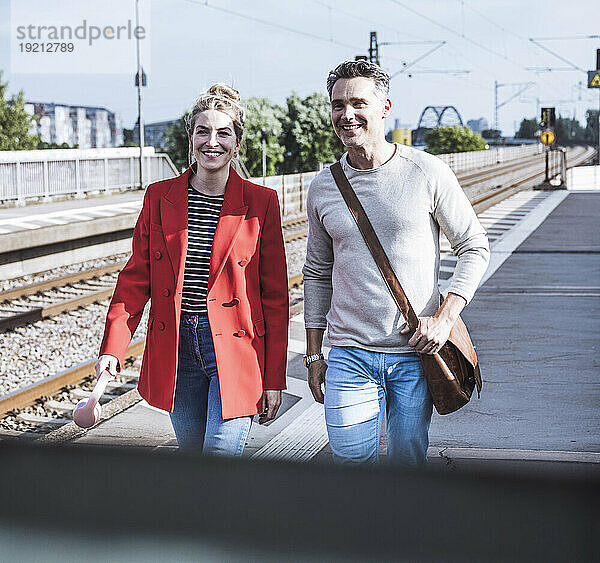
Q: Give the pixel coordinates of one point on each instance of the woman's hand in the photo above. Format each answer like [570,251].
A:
[108,363]
[271,403]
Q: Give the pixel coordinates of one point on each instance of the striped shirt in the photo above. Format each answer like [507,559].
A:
[203,216]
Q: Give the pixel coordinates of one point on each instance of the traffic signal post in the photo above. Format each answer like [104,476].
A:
[547,136]
[594,82]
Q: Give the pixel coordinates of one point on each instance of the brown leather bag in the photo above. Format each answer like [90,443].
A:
[452,373]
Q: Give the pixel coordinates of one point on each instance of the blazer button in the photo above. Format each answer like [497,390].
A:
[158,255]
[243,262]
[166,292]
[161,326]
[240,333]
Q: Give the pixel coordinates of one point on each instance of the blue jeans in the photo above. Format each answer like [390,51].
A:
[196,416]
[360,386]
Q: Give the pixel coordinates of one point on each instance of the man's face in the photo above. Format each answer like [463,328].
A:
[358,111]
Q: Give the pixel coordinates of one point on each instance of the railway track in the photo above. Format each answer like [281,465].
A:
[54,397]
[29,304]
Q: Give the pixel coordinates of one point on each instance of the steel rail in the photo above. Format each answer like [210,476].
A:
[50,385]
[486,197]
[489,174]
[61,281]
[26,396]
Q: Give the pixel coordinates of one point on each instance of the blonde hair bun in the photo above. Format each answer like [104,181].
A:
[225,91]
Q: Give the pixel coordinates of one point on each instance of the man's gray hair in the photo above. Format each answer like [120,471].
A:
[361,68]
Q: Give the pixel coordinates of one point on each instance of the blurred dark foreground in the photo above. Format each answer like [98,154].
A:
[95,504]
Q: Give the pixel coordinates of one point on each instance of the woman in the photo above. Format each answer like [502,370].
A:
[208,251]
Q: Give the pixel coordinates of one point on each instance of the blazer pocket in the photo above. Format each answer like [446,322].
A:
[156,227]
[259,327]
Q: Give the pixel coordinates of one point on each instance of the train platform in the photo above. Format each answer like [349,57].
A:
[535,323]
[32,237]
[73,210]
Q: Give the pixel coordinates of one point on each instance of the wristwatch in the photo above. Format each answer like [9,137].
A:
[313,358]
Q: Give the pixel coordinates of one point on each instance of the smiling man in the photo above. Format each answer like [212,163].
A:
[373,369]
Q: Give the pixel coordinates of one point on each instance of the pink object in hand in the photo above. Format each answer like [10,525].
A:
[88,411]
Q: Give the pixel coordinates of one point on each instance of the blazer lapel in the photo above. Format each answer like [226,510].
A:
[174,217]
[230,222]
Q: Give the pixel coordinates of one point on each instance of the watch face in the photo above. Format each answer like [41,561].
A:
[304,358]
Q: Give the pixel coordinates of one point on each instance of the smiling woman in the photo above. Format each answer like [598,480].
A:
[208,251]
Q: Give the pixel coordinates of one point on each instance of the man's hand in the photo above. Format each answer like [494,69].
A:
[108,363]
[316,377]
[271,401]
[431,334]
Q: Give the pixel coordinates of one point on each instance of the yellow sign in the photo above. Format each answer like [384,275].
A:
[547,137]
[593,79]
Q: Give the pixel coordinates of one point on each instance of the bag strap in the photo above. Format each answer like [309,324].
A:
[379,255]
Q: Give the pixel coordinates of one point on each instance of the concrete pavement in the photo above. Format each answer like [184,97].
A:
[535,322]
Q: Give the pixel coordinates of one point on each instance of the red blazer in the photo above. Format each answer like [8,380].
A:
[247,296]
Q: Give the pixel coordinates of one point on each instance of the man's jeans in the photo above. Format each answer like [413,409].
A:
[360,386]
[196,417]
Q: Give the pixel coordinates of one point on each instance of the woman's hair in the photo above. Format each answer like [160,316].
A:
[220,97]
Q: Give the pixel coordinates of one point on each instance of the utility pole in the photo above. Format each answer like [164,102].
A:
[140,81]
[495,105]
[598,72]
[522,87]
[594,82]
[373,48]
[264,135]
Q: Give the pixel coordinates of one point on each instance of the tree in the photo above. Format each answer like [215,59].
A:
[453,139]
[307,134]
[492,134]
[528,129]
[15,122]
[568,129]
[128,138]
[42,145]
[177,143]
[261,114]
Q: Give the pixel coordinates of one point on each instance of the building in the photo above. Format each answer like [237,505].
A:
[84,126]
[478,125]
[399,134]
[402,136]
[155,134]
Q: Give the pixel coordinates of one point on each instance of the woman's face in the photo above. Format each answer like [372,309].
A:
[213,139]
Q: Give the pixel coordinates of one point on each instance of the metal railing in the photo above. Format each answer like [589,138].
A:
[291,188]
[46,173]
[460,161]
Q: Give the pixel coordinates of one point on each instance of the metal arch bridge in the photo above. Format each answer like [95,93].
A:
[433,117]
[439,116]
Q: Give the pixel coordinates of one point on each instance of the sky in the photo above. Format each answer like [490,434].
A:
[272,48]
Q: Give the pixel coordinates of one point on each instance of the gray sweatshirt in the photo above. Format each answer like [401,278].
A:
[408,199]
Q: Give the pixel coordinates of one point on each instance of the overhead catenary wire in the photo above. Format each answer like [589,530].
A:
[453,31]
[272,24]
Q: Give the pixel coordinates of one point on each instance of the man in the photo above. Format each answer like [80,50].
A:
[409,195]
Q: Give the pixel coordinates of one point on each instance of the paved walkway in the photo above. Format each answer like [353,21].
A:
[536,324]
